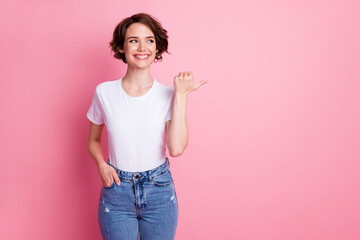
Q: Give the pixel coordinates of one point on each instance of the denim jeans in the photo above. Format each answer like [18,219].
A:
[145,203]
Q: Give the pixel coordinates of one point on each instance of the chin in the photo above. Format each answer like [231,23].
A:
[137,65]
[140,66]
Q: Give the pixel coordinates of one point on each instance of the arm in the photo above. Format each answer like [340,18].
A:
[107,173]
[177,134]
[94,144]
[176,128]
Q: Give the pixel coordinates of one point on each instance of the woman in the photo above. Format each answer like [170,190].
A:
[141,116]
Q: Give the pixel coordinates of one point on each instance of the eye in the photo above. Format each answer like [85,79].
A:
[151,41]
[132,40]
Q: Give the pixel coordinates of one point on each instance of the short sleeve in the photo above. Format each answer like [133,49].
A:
[95,113]
[170,110]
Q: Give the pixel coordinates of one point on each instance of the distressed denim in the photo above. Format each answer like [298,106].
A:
[144,204]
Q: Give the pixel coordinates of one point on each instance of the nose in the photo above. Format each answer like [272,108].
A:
[141,46]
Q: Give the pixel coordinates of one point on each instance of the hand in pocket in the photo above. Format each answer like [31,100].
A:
[108,175]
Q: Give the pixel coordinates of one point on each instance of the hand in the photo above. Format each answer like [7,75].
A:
[184,84]
[108,175]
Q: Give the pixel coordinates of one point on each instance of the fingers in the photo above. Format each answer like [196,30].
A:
[109,177]
[185,75]
[188,76]
[108,183]
[116,178]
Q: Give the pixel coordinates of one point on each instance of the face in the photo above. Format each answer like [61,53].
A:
[139,46]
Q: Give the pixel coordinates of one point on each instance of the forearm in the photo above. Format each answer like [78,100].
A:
[178,134]
[96,152]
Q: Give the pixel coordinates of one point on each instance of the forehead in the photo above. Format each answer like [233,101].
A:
[138,30]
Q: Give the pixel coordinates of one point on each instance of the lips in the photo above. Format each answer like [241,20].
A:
[142,56]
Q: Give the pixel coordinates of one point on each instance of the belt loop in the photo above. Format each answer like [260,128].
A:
[150,175]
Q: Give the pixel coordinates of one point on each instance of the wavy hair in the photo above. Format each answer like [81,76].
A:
[161,37]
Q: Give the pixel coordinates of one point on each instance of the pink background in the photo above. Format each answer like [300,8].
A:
[274,144]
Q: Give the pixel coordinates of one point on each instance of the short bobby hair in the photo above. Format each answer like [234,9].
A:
[159,32]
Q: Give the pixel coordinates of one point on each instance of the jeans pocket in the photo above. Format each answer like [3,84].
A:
[111,186]
[163,180]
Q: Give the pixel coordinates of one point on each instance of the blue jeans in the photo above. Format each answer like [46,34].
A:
[145,203]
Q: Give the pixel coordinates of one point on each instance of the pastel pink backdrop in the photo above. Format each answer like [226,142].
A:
[274,143]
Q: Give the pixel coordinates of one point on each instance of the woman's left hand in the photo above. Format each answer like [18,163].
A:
[184,84]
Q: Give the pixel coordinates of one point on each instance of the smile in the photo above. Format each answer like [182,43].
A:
[142,56]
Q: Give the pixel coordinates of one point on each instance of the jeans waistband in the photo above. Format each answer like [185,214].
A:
[139,176]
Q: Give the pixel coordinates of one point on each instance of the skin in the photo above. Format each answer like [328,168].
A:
[136,82]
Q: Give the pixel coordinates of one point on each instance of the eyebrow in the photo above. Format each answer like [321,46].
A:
[137,37]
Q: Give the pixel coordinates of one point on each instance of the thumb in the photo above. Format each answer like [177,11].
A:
[200,83]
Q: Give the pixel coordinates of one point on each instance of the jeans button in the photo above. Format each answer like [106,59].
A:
[137,177]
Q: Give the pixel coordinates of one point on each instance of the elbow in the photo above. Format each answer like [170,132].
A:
[91,143]
[176,153]
[176,150]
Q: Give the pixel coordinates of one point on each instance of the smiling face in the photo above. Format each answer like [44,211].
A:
[139,46]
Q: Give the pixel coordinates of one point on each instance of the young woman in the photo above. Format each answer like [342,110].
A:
[142,116]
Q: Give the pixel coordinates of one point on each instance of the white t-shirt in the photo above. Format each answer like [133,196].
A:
[135,125]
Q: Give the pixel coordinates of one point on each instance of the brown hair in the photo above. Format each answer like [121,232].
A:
[120,30]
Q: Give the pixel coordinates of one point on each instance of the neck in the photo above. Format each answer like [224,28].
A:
[138,77]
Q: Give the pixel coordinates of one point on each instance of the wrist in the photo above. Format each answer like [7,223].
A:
[101,164]
[180,96]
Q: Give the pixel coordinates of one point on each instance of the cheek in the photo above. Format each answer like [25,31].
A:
[153,49]
[129,51]
[131,48]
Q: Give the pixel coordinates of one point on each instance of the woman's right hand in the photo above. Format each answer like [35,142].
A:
[108,175]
